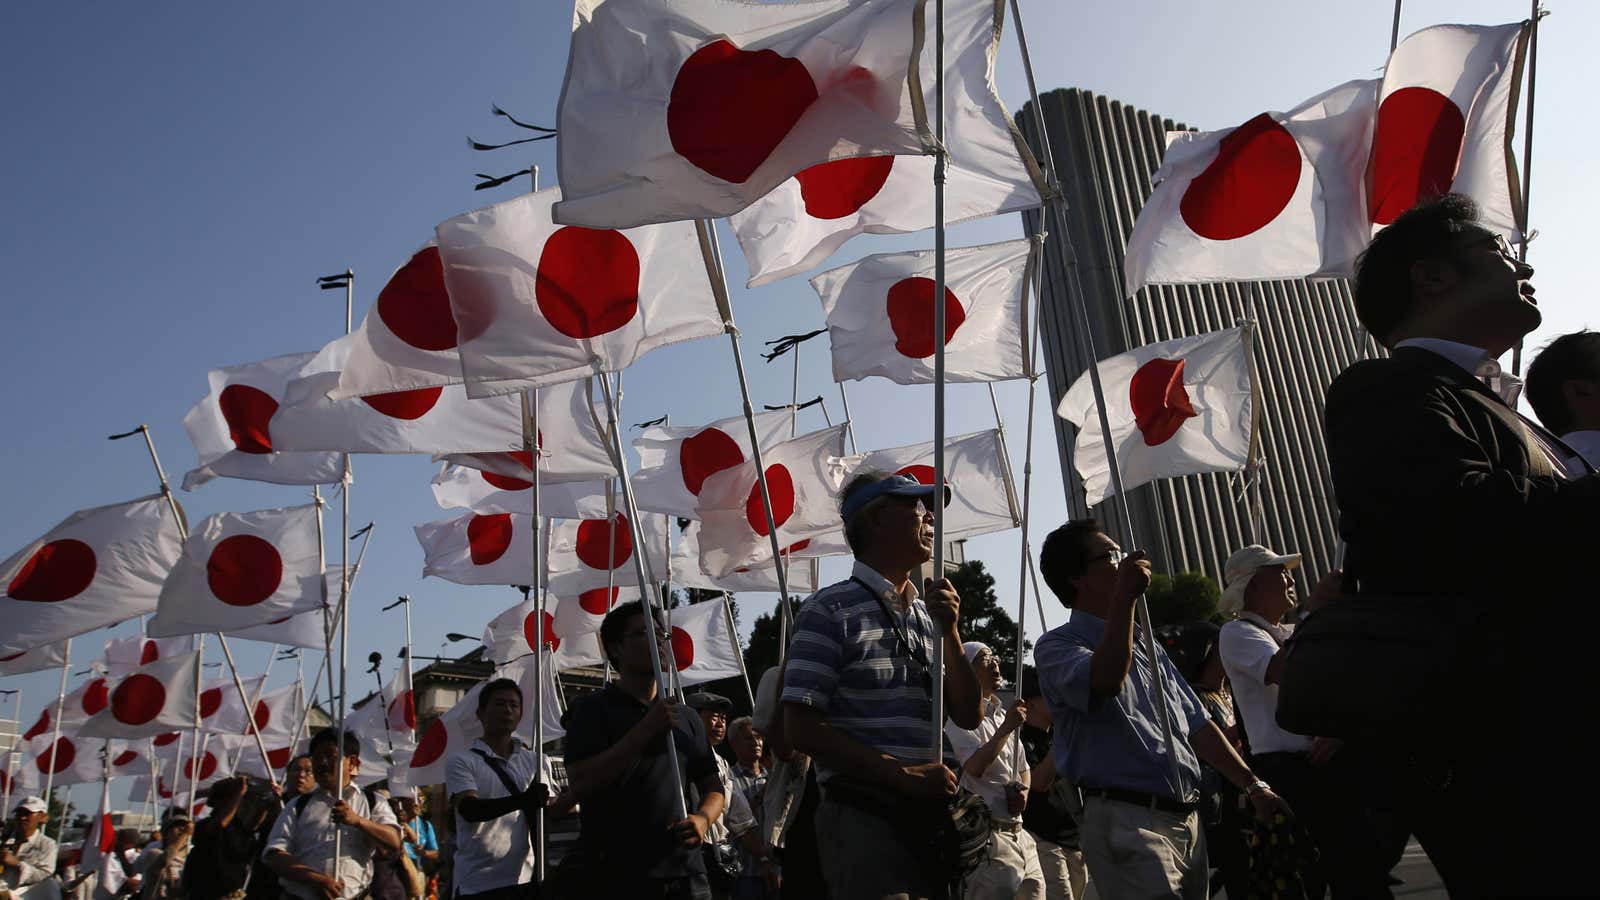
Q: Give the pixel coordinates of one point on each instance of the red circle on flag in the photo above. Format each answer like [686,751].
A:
[1159,399]
[58,757]
[17,655]
[210,702]
[149,653]
[126,757]
[909,305]
[730,108]
[596,601]
[588,281]
[833,190]
[248,412]
[432,746]
[796,547]
[1249,183]
[5,781]
[923,474]
[704,454]
[414,304]
[39,727]
[138,699]
[488,538]
[208,767]
[405,405]
[280,757]
[530,633]
[402,711]
[505,482]
[95,696]
[1416,147]
[682,648]
[244,570]
[602,545]
[780,488]
[162,740]
[262,716]
[162,790]
[60,570]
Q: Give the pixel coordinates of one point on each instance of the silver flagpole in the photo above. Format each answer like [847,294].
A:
[11,754]
[530,443]
[250,712]
[329,611]
[55,736]
[1036,285]
[1527,157]
[939,161]
[738,654]
[849,423]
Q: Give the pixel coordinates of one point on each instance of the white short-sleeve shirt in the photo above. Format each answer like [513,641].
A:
[1247,646]
[307,835]
[1010,764]
[494,853]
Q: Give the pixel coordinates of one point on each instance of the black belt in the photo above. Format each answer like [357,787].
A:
[1140,798]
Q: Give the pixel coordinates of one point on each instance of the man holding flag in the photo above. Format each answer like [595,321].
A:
[28,855]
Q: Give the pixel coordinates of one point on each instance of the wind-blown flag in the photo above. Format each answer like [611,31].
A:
[425,420]
[592,553]
[990,171]
[34,659]
[975,469]
[486,492]
[673,111]
[123,655]
[803,477]
[76,707]
[703,647]
[478,549]
[1280,196]
[157,698]
[801,576]
[385,727]
[570,628]
[231,428]
[277,712]
[100,848]
[307,629]
[221,709]
[74,760]
[1446,113]
[243,569]
[1175,408]
[455,730]
[675,461]
[97,568]
[539,303]
[407,339]
[572,442]
[880,314]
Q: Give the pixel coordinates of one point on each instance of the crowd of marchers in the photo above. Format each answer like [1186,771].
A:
[1291,752]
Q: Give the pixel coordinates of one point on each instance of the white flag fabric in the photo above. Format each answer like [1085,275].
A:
[385,727]
[703,647]
[1280,196]
[455,730]
[539,303]
[975,469]
[572,442]
[425,420]
[277,713]
[483,491]
[880,314]
[572,638]
[34,659]
[221,710]
[100,848]
[675,461]
[407,339]
[205,771]
[307,629]
[675,111]
[76,707]
[686,570]
[592,553]
[1446,114]
[279,751]
[157,698]
[990,171]
[803,477]
[478,549]
[1175,408]
[231,428]
[97,568]
[74,759]
[123,655]
[239,570]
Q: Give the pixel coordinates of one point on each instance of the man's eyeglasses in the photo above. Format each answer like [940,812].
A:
[1115,556]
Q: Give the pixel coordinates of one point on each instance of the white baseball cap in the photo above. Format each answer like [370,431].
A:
[33,805]
[1242,566]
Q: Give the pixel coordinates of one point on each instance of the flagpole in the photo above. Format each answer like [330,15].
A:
[250,712]
[711,252]
[939,161]
[328,612]
[738,654]
[55,739]
[11,754]
[1091,358]
[849,422]
[663,687]
[1035,282]
[1527,157]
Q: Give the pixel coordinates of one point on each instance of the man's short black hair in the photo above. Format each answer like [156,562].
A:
[1430,230]
[1065,555]
[615,623]
[499,684]
[854,531]
[330,735]
[1568,357]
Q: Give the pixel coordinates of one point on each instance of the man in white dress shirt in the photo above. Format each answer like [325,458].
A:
[30,856]
[1564,389]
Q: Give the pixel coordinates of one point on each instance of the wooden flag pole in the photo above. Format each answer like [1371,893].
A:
[1069,263]
[941,158]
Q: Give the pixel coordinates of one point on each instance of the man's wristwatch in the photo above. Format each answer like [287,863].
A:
[1256,787]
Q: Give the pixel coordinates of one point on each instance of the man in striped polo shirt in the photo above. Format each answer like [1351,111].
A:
[857,695]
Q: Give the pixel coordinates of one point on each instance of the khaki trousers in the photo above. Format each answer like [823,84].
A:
[1010,870]
[1135,851]
[1065,875]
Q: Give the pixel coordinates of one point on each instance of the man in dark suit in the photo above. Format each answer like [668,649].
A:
[1445,492]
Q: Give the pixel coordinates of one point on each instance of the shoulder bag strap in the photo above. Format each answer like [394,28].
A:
[498,766]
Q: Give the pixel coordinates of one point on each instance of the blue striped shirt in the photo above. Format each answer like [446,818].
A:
[844,660]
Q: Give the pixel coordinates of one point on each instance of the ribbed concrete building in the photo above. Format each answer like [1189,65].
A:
[1105,153]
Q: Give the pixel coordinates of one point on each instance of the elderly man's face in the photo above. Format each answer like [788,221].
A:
[1271,592]
[902,529]
[716,723]
[986,666]
[746,744]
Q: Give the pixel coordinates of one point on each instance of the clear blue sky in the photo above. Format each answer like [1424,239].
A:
[175,176]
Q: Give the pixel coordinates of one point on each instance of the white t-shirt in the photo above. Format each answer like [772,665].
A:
[494,853]
[307,835]
[1247,646]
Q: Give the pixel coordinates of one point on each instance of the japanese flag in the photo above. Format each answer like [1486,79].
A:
[279,752]
[204,770]
[123,655]
[1175,408]
[800,575]
[1279,196]
[990,170]
[675,461]
[570,628]
[100,848]
[674,111]
[307,629]
[1446,112]
[978,475]
[880,314]
[74,759]
[231,428]
[35,659]
[407,339]
[573,442]
[703,647]
[803,476]
[425,420]
[97,568]
[278,711]
[538,303]
[76,707]
[478,549]
[386,724]
[455,730]
[157,698]
[243,569]
[221,709]
[487,492]
[593,553]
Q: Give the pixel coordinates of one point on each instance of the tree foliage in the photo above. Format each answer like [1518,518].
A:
[1187,597]
[984,617]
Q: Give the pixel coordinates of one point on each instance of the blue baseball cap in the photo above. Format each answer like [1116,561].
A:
[893,486]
